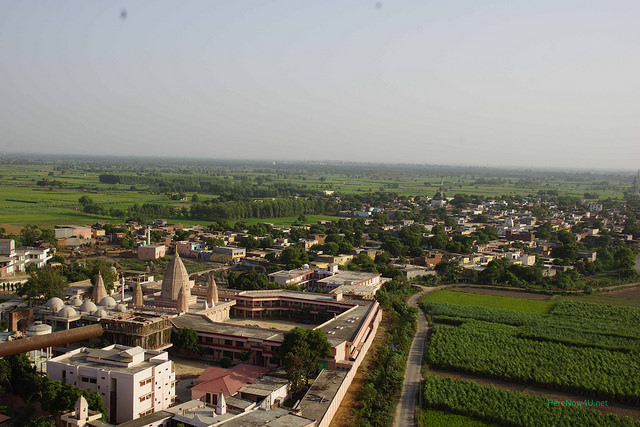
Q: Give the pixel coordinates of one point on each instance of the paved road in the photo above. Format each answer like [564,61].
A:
[407,406]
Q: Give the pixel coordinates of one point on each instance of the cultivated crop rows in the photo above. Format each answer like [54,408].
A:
[508,408]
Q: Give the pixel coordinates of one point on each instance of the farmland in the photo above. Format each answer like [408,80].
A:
[46,191]
[576,347]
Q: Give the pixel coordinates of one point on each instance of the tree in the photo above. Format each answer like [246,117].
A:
[214,241]
[185,338]
[623,259]
[449,269]
[30,234]
[250,280]
[294,257]
[301,350]
[566,237]
[43,284]
[156,235]
[544,231]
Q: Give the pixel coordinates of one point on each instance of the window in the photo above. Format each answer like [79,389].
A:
[146,397]
[228,342]
[146,381]
[84,379]
[208,339]
[239,344]
[92,380]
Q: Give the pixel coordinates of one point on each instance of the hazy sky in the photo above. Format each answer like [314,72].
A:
[512,83]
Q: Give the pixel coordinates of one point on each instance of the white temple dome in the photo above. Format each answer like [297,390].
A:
[67,312]
[107,302]
[88,307]
[55,304]
[100,313]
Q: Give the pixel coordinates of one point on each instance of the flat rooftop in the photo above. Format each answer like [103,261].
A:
[202,323]
[316,401]
[276,417]
[290,274]
[349,276]
[81,359]
[311,296]
[346,326]
[264,386]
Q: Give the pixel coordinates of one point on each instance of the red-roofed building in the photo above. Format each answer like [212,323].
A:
[217,383]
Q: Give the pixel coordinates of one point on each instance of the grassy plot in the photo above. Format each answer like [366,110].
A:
[490,301]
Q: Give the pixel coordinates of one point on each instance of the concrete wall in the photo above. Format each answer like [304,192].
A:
[337,399]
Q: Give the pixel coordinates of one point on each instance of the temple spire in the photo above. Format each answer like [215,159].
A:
[212,291]
[138,300]
[183,300]
[99,291]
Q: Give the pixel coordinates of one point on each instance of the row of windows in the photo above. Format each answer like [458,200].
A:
[147,412]
[145,382]
[88,380]
[146,397]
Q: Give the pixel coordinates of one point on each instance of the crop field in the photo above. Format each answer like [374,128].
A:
[570,346]
[46,192]
[490,301]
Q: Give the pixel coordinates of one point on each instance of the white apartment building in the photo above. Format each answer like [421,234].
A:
[14,260]
[133,382]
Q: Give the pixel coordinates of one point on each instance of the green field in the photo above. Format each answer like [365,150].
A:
[490,301]
[46,192]
[435,417]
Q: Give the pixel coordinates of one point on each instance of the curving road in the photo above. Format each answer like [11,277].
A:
[405,412]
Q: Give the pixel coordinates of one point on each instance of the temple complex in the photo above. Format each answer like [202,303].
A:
[175,279]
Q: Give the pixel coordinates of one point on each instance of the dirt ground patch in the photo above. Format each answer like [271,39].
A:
[12,229]
[188,367]
[347,412]
[505,293]
[629,293]
[612,408]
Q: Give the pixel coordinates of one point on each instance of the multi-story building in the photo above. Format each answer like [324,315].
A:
[14,260]
[228,254]
[133,382]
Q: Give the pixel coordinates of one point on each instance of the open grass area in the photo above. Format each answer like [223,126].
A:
[490,301]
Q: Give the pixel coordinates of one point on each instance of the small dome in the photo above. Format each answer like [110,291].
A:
[107,302]
[88,307]
[55,304]
[75,302]
[121,308]
[100,313]
[66,312]
[38,328]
